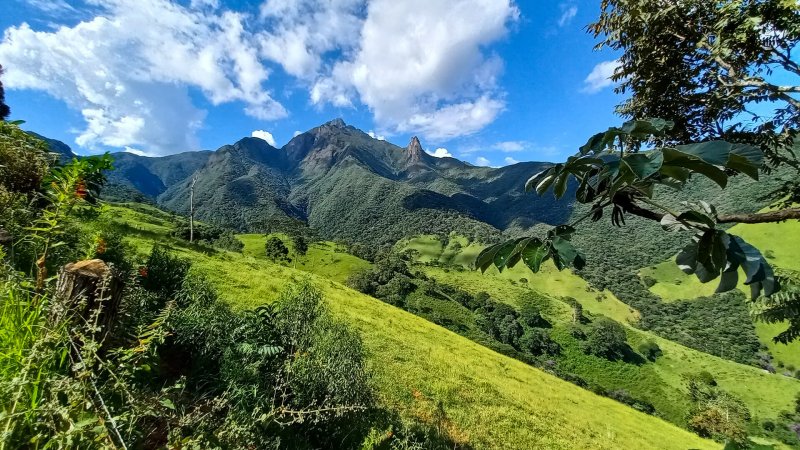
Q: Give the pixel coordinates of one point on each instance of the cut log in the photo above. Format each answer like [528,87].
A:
[88,293]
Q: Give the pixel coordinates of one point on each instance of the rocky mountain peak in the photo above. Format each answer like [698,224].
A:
[414,150]
[337,123]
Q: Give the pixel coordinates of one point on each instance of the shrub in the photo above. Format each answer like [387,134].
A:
[768,425]
[228,241]
[650,350]
[537,341]
[163,272]
[606,338]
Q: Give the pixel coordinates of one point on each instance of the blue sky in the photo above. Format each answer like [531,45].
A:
[488,81]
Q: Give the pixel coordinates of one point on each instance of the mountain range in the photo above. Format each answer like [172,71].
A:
[341,182]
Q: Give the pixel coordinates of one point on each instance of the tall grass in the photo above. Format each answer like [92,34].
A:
[28,357]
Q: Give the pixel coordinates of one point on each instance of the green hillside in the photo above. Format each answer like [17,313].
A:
[489,400]
[780,242]
[661,383]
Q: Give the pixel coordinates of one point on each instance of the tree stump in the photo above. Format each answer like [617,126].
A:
[88,293]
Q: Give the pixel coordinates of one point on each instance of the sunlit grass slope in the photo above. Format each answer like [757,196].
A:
[323,258]
[548,281]
[780,242]
[490,401]
[662,383]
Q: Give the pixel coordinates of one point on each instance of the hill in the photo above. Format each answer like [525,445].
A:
[660,383]
[487,400]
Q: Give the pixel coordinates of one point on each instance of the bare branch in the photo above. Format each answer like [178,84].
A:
[766,217]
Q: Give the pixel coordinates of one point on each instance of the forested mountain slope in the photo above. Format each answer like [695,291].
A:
[343,183]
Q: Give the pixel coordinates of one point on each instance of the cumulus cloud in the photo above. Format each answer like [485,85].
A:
[132,67]
[301,32]
[509,160]
[265,135]
[297,133]
[440,153]
[600,77]
[481,161]
[568,12]
[422,66]
[129,69]
[374,135]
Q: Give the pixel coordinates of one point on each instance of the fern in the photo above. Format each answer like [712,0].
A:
[782,306]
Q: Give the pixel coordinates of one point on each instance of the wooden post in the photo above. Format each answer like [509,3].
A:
[89,293]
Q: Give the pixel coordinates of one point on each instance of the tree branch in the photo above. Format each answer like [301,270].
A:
[629,206]
[766,217]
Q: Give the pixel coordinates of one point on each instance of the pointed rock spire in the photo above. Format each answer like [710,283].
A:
[414,150]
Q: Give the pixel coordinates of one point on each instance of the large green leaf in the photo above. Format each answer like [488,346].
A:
[565,254]
[503,254]
[715,153]
[534,254]
[641,129]
[486,257]
[645,164]
[675,158]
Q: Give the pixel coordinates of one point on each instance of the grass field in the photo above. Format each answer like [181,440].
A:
[780,242]
[327,259]
[548,281]
[662,383]
[490,401]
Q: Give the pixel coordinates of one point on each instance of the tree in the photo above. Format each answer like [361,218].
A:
[4,109]
[300,245]
[701,65]
[276,250]
[606,338]
[191,208]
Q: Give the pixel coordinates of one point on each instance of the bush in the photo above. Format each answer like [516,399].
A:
[650,350]
[228,241]
[163,272]
[606,338]
[537,341]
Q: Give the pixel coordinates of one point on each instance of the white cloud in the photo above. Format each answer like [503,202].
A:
[422,66]
[510,146]
[129,69]
[509,160]
[440,153]
[374,135]
[297,133]
[568,13]
[301,32]
[481,161]
[265,135]
[600,77]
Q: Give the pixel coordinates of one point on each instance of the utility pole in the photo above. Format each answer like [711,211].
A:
[191,209]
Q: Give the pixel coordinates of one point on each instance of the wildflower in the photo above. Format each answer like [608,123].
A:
[101,246]
[80,189]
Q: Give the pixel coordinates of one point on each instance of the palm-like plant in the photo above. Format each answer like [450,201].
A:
[782,306]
